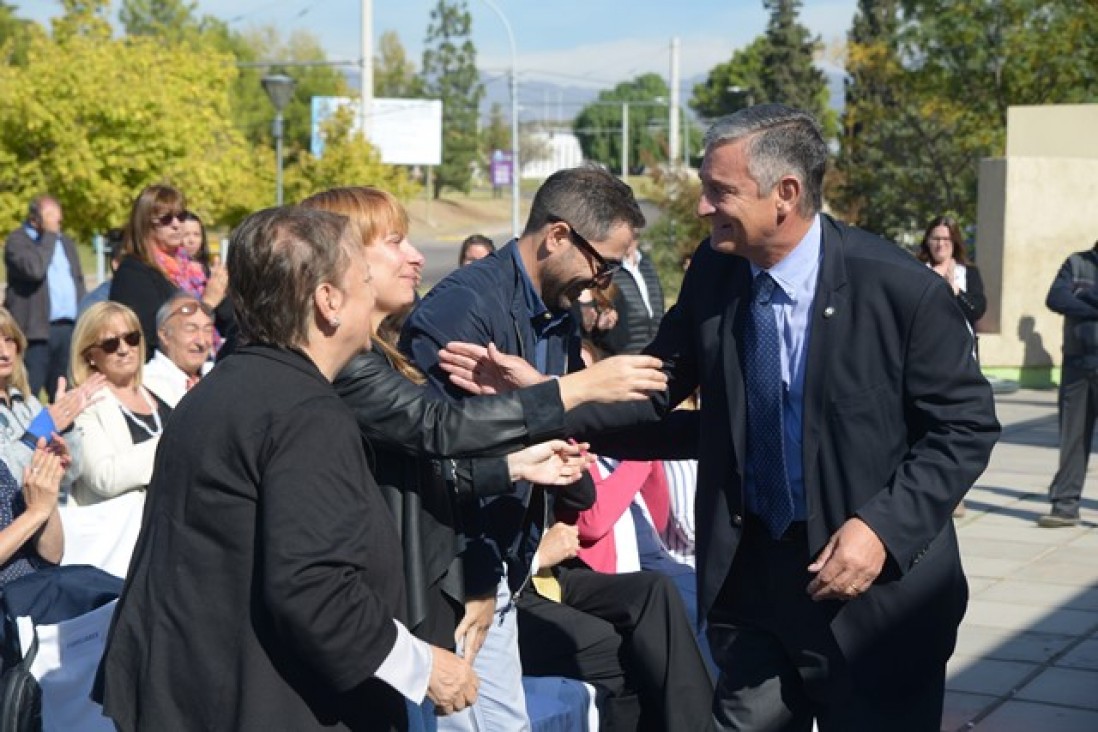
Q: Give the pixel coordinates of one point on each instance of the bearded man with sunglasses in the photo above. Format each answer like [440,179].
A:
[628,635]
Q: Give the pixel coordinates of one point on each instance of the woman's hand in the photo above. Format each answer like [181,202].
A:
[555,462]
[217,284]
[60,448]
[479,370]
[68,404]
[42,482]
[948,270]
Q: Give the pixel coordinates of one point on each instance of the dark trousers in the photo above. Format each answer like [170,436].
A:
[48,360]
[1078,411]
[780,667]
[627,635]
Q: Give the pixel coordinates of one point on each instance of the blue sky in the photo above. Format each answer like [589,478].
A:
[594,43]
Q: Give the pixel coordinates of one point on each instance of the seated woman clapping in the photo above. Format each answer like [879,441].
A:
[23,419]
[122,428]
[30,527]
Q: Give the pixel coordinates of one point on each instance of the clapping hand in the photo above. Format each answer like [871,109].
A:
[67,404]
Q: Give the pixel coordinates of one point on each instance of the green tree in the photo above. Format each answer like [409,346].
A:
[15,35]
[676,234]
[599,125]
[120,114]
[929,94]
[450,72]
[158,17]
[788,73]
[731,85]
[394,73]
[496,135]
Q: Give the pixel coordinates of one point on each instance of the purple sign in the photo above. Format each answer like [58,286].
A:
[500,168]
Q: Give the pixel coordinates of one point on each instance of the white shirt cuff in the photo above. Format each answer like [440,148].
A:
[407,668]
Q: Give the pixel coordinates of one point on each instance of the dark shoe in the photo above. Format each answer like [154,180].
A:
[1057,521]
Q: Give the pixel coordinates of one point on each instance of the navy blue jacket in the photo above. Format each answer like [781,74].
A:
[484,303]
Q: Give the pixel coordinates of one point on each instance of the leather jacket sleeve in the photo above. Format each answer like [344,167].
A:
[394,411]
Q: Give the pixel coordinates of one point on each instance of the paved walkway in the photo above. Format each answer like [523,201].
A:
[1027,655]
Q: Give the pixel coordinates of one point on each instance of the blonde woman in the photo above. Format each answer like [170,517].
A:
[121,429]
[23,419]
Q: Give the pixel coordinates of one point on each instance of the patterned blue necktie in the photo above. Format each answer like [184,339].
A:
[762,364]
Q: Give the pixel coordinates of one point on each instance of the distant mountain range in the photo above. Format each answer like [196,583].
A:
[556,103]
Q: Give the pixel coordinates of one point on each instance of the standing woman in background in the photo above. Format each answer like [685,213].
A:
[153,266]
[943,250]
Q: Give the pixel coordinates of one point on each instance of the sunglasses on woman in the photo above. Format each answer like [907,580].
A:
[166,219]
[111,345]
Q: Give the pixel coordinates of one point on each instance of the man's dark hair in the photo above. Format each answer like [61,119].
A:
[277,259]
[781,141]
[589,198]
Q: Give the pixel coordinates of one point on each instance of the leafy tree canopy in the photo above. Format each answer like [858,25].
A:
[450,73]
[599,125]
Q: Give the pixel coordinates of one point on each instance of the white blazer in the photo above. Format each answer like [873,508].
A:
[113,465]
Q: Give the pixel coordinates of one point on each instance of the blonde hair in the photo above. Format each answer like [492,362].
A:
[89,331]
[10,329]
[371,214]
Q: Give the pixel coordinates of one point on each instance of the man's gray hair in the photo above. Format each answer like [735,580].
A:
[781,141]
[168,307]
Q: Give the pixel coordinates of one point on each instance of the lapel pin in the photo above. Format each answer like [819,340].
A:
[829,311]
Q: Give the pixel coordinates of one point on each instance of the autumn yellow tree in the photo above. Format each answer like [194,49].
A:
[92,119]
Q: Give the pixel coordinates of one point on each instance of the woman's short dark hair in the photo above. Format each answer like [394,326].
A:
[960,252]
[152,203]
[277,259]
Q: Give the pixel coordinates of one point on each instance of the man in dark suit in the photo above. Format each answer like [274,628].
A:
[828,564]
[843,416]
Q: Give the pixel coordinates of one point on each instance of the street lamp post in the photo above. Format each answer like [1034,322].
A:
[280,89]
[515,166]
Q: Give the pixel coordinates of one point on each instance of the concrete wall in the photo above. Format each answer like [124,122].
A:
[1036,206]
[1033,212]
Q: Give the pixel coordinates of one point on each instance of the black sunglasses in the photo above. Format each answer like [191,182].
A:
[606,267]
[110,345]
[166,219]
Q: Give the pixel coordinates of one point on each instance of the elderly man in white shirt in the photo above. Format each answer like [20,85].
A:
[185,329]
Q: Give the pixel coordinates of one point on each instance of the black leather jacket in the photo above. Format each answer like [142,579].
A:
[407,436]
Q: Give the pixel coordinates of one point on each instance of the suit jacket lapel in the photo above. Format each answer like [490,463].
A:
[830,323]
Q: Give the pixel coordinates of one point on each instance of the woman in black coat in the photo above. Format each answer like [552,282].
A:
[265,590]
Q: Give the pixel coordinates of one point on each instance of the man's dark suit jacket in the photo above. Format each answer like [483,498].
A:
[898,424]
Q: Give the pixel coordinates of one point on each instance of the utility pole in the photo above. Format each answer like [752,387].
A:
[624,140]
[673,107]
[366,68]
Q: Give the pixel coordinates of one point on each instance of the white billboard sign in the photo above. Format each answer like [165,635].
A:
[405,131]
